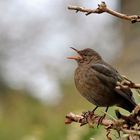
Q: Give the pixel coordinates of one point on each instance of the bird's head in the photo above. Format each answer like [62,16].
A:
[85,56]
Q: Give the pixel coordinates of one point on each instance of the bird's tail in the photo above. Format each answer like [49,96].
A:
[127,105]
[127,101]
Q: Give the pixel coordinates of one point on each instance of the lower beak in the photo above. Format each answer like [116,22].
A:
[77,57]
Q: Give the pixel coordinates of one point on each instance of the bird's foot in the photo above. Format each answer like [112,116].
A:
[87,114]
[88,117]
[100,120]
[102,117]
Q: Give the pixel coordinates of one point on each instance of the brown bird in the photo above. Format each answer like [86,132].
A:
[96,81]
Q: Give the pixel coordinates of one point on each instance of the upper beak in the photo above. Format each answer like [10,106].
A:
[76,57]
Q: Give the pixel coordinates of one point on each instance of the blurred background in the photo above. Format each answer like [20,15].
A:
[36,80]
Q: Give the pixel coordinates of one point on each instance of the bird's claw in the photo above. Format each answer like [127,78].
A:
[87,114]
[88,117]
[100,120]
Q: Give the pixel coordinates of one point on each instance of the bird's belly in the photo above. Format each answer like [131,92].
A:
[95,92]
[101,99]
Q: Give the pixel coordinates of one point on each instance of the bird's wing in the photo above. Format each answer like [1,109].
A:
[106,70]
[109,76]
[106,74]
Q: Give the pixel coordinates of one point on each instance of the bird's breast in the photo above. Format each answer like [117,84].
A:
[86,80]
[87,83]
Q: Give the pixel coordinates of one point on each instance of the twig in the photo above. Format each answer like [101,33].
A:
[126,83]
[103,8]
[131,132]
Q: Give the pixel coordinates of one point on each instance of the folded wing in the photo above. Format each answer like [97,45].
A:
[109,77]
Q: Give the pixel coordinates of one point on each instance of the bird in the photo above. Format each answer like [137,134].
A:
[96,80]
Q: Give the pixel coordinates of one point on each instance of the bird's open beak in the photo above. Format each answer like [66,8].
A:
[76,57]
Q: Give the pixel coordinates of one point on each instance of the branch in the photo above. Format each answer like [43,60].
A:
[127,84]
[103,8]
[129,125]
[89,119]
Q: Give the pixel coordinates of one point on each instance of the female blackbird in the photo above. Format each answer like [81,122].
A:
[96,81]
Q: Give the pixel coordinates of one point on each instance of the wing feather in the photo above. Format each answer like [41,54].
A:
[109,76]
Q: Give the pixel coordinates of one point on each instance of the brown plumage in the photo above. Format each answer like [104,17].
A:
[96,81]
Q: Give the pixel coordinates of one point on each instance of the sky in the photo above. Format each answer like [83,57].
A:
[36,36]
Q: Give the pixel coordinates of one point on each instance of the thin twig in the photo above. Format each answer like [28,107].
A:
[131,132]
[103,8]
[126,83]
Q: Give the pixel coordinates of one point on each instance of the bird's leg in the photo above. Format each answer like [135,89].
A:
[89,113]
[102,117]
[94,109]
